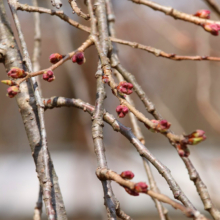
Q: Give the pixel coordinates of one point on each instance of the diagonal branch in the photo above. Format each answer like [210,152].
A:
[213,4]
[126,131]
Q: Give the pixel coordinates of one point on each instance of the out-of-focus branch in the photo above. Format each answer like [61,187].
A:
[213,4]
[56,3]
[127,132]
[78,11]
[38,207]
[203,88]
[175,13]
[106,174]
[51,193]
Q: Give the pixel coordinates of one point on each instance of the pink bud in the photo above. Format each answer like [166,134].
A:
[13,91]
[127,175]
[79,58]
[122,110]
[195,137]
[163,125]
[212,28]
[140,187]
[48,76]
[9,82]
[203,14]
[125,87]
[16,73]
[55,57]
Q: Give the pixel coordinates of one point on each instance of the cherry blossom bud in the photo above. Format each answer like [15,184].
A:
[212,28]
[13,91]
[55,57]
[9,82]
[79,58]
[131,192]
[125,87]
[203,14]
[183,150]
[48,76]
[122,110]
[127,175]
[195,138]
[16,73]
[140,187]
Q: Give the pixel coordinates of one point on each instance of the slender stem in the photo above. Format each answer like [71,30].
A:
[175,13]
[38,207]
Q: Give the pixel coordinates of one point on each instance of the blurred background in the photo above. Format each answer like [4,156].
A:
[184,92]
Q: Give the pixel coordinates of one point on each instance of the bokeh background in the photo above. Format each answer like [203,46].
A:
[186,93]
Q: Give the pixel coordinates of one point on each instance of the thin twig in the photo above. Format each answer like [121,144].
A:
[155,51]
[117,126]
[78,11]
[106,174]
[175,13]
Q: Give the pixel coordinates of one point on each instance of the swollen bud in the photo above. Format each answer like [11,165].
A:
[48,76]
[16,73]
[195,138]
[79,58]
[203,14]
[127,175]
[131,192]
[125,87]
[140,187]
[122,110]
[9,82]
[159,125]
[13,91]
[55,57]
[212,28]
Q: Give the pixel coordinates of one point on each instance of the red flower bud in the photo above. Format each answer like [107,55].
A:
[131,192]
[16,73]
[125,87]
[55,57]
[122,110]
[79,58]
[9,82]
[13,91]
[212,28]
[183,150]
[203,14]
[127,175]
[140,187]
[195,138]
[48,76]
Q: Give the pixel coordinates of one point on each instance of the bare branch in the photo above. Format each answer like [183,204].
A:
[38,207]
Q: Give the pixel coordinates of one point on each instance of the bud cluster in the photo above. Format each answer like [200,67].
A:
[79,58]
[125,87]
[122,110]
[13,91]
[16,73]
[55,57]
[159,125]
[183,150]
[48,76]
